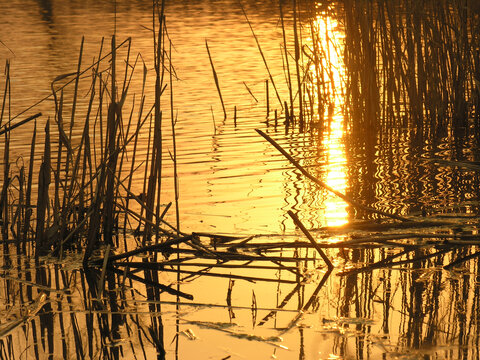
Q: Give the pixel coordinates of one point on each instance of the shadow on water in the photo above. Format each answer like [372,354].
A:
[46,10]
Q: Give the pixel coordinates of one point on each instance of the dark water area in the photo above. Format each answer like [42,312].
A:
[378,100]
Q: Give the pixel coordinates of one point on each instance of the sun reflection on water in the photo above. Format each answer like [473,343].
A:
[330,72]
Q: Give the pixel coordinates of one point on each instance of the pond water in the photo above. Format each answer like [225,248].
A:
[229,180]
[391,121]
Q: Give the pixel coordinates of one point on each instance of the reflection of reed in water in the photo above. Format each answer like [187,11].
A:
[412,93]
[416,309]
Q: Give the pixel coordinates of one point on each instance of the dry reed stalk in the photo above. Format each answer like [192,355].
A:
[4,203]
[134,150]
[62,140]
[19,216]
[75,93]
[28,192]
[215,77]
[123,134]
[65,140]
[297,222]
[174,144]
[95,217]
[113,123]
[101,280]
[184,262]
[388,263]
[87,173]
[318,69]
[154,188]
[462,260]
[175,179]
[297,65]
[6,169]
[44,179]
[154,178]
[263,56]
[250,92]
[6,92]
[285,49]
[267,97]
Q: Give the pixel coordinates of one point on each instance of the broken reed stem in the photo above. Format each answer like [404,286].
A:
[4,205]
[280,307]
[8,128]
[344,197]
[134,151]
[215,77]
[297,222]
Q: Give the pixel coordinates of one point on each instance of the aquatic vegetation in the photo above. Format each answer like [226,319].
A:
[85,252]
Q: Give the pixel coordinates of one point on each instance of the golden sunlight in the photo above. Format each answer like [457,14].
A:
[329,41]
